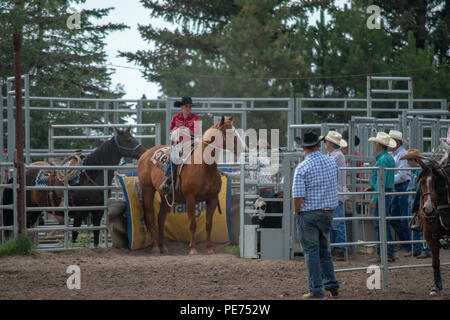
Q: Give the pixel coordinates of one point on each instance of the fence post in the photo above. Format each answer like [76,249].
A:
[241,205]
[382,227]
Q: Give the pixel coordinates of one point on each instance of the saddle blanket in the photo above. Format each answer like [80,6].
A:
[177,222]
[160,157]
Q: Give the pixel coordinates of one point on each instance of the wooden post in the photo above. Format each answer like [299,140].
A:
[18,159]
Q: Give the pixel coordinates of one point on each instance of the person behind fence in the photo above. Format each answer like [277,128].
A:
[264,175]
[359,175]
[414,202]
[314,193]
[183,126]
[381,143]
[333,144]
[399,206]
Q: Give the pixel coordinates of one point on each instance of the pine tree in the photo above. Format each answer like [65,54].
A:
[61,62]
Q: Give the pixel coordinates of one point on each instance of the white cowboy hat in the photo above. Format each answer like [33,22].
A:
[394,134]
[336,138]
[384,139]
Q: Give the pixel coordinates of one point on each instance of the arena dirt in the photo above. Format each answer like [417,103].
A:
[108,273]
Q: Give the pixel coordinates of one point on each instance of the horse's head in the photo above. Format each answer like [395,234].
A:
[128,146]
[232,140]
[433,187]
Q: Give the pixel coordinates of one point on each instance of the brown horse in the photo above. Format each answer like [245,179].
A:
[199,182]
[34,198]
[434,213]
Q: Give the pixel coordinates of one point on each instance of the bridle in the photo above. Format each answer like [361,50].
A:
[125,148]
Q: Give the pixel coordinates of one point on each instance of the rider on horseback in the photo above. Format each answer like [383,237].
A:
[182,126]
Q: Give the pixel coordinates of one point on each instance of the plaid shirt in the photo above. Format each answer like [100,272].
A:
[315,180]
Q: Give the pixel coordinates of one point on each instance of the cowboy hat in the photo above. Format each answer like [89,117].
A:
[334,137]
[384,139]
[310,138]
[394,134]
[184,101]
[412,154]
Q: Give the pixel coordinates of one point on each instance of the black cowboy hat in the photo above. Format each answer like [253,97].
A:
[310,138]
[186,101]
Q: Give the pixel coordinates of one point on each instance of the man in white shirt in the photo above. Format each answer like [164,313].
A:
[402,178]
[333,144]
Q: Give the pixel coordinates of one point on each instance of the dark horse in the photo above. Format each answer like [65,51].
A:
[109,153]
[434,213]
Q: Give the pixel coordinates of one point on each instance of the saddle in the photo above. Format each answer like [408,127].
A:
[71,176]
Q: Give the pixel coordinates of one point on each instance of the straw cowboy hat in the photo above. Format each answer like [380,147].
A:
[384,139]
[335,137]
[412,154]
[397,135]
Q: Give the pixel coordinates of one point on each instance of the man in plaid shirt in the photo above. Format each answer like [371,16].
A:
[314,191]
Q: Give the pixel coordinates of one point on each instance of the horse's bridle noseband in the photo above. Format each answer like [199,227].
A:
[125,148]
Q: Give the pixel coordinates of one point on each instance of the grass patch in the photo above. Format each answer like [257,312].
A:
[83,240]
[21,245]
[233,250]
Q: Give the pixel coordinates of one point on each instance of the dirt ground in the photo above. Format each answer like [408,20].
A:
[108,273]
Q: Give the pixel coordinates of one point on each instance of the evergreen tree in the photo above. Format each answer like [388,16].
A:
[61,62]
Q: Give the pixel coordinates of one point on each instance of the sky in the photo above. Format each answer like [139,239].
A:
[132,13]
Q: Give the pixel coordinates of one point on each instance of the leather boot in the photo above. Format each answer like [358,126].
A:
[166,185]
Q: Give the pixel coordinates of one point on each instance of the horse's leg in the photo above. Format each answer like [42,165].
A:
[161,221]
[148,193]
[434,248]
[96,219]
[77,219]
[211,206]
[190,205]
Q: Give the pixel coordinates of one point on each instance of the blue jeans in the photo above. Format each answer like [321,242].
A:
[400,208]
[313,230]
[376,224]
[338,227]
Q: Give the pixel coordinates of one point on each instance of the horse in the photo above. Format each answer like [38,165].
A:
[434,212]
[199,182]
[109,153]
[34,198]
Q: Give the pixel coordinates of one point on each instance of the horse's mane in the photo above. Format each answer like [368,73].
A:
[101,154]
[429,165]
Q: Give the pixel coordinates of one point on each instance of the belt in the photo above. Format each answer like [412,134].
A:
[266,189]
[318,210]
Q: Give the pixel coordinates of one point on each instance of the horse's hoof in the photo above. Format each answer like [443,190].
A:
[163,250]
[435,292]
[193,251]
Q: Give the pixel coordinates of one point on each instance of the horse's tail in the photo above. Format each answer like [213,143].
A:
[8,199]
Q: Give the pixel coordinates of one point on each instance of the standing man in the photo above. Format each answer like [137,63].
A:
[399,207]
[383,159]
[182,126]
[333,144]
[314,192]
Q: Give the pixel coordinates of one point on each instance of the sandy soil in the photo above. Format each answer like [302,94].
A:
[108,273]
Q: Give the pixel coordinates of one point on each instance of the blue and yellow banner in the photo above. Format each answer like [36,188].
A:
[177,222]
